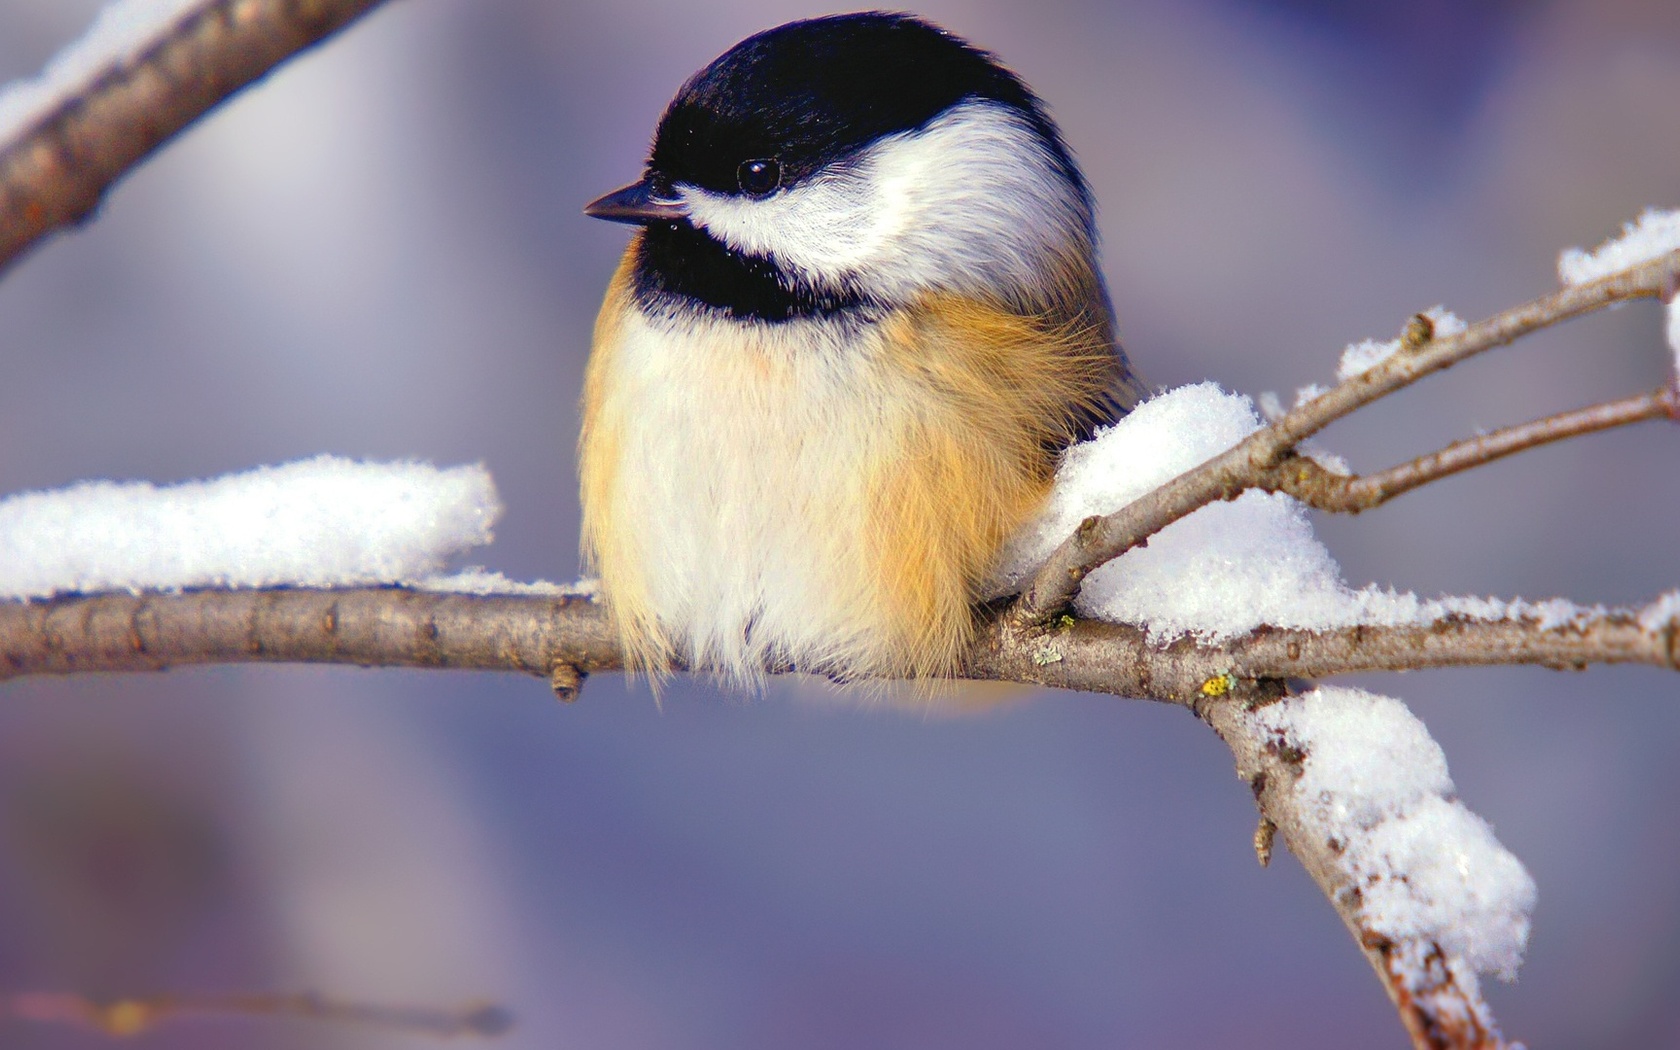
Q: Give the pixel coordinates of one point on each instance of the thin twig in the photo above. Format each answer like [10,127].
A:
[1099,540]
[1312,484]
[56,171]
[136,1014]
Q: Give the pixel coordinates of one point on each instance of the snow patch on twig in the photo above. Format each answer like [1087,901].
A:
[1662,613]
[1654,233]
[123,30]
[1672,330]
[1363,356]
[475,579]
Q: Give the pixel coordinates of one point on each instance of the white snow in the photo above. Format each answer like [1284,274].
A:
[1363,356]
[1673,330]
[1427,869]
[1654,233]
[1662,612]
[122,31]
[1229,567]
[320,522]
[475,579]
[1271,405]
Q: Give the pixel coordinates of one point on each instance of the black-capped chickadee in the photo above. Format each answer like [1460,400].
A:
[836,367]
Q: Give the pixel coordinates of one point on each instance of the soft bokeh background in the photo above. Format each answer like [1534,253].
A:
[379,252]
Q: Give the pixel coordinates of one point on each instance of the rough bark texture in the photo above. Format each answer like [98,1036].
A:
[396,627]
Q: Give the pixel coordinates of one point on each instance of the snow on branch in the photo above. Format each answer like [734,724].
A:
[1251,462]
[1374,785]
[322,522]
[1653,234]
[1360,794]
[144,71]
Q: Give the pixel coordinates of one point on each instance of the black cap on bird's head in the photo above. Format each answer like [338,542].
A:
[793,100]
[853,161]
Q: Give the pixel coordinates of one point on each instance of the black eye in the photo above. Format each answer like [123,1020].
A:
[758,178]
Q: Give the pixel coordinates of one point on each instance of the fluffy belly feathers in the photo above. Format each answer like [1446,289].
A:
[811,493]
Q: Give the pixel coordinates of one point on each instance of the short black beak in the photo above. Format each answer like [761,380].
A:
[635,204]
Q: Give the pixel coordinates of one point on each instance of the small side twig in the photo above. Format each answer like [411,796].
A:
[1312,484]
[135,1015]
[567,682]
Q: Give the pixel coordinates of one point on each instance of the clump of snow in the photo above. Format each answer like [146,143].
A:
[1673,330]
[319,522]
[1662,612]
[1229,567]
[122,31]
[1427,869]
[1271,405]
[1310,392]
[476,579]
[1363,356]
[1201,574]
[1654,233]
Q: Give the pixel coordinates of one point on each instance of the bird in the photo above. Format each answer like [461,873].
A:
[859,321]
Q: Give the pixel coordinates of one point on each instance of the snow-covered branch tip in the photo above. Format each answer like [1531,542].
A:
[146,70]
[1424,348]
[1360,793]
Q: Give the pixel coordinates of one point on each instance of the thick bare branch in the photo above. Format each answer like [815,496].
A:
[1312,484]
[394,627]
[55,173]
[1099,540]
[368,627]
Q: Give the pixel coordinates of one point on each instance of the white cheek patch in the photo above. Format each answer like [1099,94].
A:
[971,202]
[836,223]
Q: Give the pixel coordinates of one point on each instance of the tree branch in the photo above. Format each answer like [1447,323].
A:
[133,1016]
[1312,484]
[1099,540]
[56,171]
[1437,1010]
[395,627]
[566,638]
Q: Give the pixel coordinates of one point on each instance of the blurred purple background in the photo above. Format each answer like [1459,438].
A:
[380,253]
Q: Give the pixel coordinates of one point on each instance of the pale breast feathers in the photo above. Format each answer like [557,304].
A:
[821,493]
